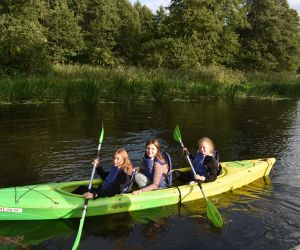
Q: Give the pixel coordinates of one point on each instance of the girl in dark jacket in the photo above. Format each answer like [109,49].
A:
[204,162]
[115,181]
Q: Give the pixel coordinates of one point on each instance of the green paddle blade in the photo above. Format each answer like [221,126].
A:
[78,237]
[176,134]
[101,135]
[212,212]
[214,215]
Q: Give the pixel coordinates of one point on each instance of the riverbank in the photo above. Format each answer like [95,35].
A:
[86,84]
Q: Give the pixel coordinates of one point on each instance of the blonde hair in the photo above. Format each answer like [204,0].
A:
[209,142]
[127,165]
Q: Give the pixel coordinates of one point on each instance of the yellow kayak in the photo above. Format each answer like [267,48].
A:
[54,200]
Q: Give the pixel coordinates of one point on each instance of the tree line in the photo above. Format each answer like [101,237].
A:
[251,35]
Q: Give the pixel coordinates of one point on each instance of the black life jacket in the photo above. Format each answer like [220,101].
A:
[213,168]
[217,157]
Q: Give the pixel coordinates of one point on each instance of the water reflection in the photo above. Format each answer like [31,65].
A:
[46,143]
[27,234]
[56,142]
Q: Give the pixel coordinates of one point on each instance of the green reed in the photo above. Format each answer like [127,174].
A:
[87,84]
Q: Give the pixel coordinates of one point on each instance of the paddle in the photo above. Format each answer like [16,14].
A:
[212,212]
[86,201]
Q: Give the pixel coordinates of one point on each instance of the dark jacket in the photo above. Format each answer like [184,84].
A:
[211,166]
[118,185]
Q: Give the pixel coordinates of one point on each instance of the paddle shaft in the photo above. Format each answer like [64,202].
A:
[91,182]
[94,169]
[192,167]
[212,212]
[86,201]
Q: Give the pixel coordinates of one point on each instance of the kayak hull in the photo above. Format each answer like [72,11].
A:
[54,200]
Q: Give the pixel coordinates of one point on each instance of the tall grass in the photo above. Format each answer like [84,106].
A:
[82,83]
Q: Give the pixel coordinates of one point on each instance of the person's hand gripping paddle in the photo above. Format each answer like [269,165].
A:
[212,212]
[86,201]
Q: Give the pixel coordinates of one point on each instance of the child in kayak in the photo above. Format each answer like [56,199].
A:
[155,171]
[115,181]
[204,162]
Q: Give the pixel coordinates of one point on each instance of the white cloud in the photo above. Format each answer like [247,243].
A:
[295,4]
[154,4]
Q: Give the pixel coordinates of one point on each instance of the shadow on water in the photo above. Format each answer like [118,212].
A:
[27,234]
[55,143]
[138,229]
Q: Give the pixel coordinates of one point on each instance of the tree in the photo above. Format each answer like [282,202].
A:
[170,53]
[146,22]
[127,37]
[272,41]
[234,19]
[79,7]
[100,27]
[160,25]
[65,39]
[23,44]
[209,27]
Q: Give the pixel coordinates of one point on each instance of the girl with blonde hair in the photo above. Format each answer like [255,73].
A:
[205,163]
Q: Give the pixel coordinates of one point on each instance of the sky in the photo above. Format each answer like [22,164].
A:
[154,4]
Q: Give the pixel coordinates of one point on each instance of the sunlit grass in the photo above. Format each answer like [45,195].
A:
[83,83]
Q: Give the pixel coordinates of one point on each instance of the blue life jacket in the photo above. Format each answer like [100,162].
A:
[198,164]
[111,178]
[169,174]
[148,169]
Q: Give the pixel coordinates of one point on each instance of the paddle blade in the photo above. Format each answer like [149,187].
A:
[78,237]
[176,134]
[101,135]
[214,215]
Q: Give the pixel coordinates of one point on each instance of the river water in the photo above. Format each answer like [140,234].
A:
[56,142]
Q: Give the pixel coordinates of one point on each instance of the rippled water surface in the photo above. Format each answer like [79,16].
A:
[47,143]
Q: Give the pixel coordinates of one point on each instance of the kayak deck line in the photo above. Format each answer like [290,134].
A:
[55,200]
[29,190]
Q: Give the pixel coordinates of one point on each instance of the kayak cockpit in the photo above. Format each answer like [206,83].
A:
[69,187]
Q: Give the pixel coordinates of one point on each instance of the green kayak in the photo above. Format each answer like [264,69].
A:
[54,200]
